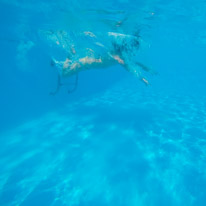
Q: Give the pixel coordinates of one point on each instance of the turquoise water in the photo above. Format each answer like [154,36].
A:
[114,140]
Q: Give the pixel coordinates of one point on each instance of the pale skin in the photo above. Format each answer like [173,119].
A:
[69,67]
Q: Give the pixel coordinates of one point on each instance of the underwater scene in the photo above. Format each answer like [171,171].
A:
[103,103]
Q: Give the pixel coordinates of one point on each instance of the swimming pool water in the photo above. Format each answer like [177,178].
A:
[114,141]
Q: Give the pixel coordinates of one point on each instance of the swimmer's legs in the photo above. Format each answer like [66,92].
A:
[59,84]
[59,65]
[75,84]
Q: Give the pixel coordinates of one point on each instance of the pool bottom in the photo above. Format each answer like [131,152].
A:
[122,147]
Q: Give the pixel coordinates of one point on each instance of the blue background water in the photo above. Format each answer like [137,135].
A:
[113,141]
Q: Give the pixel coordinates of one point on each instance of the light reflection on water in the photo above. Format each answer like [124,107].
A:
[124,148]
